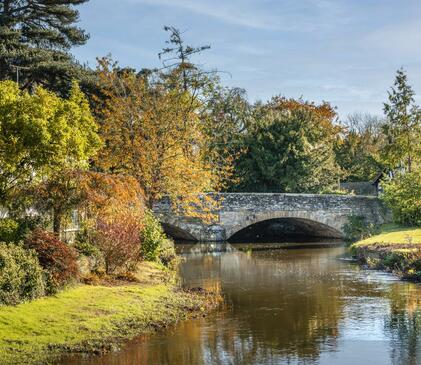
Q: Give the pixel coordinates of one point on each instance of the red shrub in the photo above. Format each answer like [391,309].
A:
[119,241]
[56,258]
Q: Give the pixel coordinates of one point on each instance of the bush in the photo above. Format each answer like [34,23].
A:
[119,241]
[153,237]
[155,244]
[9,230]
[87,249]
[15,230]
[56,258]
[27,224]
[403,196]
[357,229]
[21,276]
[167,254]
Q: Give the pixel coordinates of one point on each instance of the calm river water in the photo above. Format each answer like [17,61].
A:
[286,306]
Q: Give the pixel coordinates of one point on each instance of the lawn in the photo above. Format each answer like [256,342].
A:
[393,234]
[395,249]
[89,319]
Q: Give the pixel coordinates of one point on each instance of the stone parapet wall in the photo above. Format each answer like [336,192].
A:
[327,213]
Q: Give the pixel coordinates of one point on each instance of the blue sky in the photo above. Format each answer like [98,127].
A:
[342,51]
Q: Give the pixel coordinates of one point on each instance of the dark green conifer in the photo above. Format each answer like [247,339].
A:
[35,39]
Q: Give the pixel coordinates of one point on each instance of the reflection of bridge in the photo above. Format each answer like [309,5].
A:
[307,214]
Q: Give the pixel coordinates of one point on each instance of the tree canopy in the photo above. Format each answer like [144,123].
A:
[152,132]
[402,128]
[359,146]
[289,148]
[41,133]
[35,39]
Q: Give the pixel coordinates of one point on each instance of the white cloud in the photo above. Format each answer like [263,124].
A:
[397,38]
[296,16]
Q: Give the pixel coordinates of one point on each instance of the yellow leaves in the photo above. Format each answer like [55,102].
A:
[107,194]
[41,134]
[154,134]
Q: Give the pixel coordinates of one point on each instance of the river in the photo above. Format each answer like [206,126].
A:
[285,306]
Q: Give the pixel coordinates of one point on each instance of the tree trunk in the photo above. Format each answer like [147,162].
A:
[57,218]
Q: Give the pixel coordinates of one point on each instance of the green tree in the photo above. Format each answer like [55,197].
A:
[226,118]
[358,149]
[403,125]
[35,37]
[289,148]
[41,134]
[58,194]
[403,196]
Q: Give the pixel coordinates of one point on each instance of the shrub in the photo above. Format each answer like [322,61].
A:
[56,258]
[15,230]
[21,276]
[357,229]
[27,224]
[119,241]
[167,254]
[153,237]
[155,244]
[403,196]
[9,230]
[87,249]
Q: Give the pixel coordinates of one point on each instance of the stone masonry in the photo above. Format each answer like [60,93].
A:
[324,215]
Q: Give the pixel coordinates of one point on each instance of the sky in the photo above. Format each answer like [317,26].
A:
[345,52]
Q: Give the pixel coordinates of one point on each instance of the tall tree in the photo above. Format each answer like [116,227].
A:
[41,134]
[289,148]
[153,133]
[226,118]
[35,37]
[403,125]
[222,111]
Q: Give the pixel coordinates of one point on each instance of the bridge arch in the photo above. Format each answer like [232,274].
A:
[291,222]
[179,233]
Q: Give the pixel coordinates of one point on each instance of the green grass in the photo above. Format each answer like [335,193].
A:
[88,318]
[395,249]
[393,234]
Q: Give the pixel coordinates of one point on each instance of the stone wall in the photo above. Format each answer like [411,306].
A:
[325,213]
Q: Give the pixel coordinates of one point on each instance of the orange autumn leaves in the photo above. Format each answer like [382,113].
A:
[152,131]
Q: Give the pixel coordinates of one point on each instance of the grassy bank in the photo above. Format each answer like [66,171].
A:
[395,248]
[94,318]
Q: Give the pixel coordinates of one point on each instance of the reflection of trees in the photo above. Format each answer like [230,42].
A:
[280,309]
[286,307]
[404,324]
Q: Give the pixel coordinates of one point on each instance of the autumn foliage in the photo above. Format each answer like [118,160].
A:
[56,258]
[152,131]
[114,209]
[119,241]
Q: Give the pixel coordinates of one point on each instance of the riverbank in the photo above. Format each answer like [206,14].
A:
[395,249]
[96,319]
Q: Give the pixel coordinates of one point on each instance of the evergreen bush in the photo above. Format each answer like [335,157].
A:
[357,229]
[152,237]
[21,276]
[9,230]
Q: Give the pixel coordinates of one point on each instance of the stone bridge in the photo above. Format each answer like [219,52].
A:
[301,214]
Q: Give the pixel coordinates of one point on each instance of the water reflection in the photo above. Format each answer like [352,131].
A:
[404,325]
[286,306]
